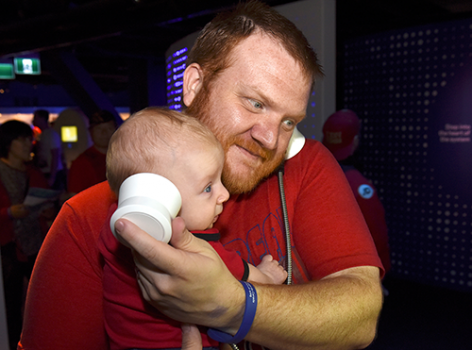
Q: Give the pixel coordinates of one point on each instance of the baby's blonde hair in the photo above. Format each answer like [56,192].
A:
[150,141]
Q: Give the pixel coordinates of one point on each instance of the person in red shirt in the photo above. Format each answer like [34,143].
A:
[341,134]
[89,168]
[248,78]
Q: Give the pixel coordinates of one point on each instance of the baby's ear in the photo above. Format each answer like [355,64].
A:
[193,80]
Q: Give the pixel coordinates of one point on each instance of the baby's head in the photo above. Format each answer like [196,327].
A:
[178,147]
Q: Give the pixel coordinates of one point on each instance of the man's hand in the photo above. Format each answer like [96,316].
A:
[185,280]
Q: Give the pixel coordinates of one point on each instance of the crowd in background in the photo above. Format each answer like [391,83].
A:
[34,182]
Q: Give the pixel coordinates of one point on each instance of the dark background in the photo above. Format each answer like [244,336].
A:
[122,43]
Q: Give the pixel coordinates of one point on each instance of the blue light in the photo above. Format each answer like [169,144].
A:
[179,68]
[178,76]
[175,20]
[179,60]
[179,52]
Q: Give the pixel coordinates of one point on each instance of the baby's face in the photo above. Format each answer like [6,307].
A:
[198,178]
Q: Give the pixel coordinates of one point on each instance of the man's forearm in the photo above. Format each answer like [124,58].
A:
[338,312]
[194,286]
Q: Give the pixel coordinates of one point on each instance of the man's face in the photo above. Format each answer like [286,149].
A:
[253,107]
[38,121]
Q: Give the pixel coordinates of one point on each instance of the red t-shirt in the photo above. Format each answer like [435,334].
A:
[64,307]
[87,170]
[130,321]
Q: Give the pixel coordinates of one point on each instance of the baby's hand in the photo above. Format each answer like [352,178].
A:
[191,338]
[272,269]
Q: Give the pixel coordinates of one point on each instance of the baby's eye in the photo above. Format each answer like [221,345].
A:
[207,189]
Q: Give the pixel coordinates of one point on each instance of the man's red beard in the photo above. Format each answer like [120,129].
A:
[243,182]
[234,182]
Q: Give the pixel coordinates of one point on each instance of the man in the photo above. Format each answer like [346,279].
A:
[341,134]
[249,78]
[90,167]
[48,156]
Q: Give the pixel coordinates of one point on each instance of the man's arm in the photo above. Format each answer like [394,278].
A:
[188,282]
[338,312]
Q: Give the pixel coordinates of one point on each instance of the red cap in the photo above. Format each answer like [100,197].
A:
[339,132]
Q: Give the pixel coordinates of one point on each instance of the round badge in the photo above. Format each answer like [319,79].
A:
[365,191]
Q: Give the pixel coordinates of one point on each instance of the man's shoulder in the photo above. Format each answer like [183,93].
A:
[312,148]
[94,200]
[51,135]
[50,132]
[312,155]
[85,156]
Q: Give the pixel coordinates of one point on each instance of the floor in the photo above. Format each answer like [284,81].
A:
[423,317]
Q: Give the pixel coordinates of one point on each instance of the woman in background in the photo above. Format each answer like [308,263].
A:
[23,227]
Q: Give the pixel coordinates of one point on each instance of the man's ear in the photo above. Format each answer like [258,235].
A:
[193,81]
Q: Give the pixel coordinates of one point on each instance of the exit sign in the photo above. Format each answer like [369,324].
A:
[27,66]
[6,71]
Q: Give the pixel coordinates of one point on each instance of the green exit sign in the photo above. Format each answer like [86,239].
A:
[27,66]
[6,71]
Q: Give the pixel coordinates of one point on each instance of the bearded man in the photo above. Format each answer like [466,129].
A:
[249,77]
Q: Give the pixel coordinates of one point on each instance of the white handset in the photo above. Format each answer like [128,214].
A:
[295,145]
[150,201]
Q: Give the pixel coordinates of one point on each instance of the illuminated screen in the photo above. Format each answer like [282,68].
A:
[176,57]
[69,134]
[175,73]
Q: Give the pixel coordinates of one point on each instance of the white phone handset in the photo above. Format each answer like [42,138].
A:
[150,201]
[295,145]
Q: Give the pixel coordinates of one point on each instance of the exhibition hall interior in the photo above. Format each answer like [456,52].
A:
[403,66]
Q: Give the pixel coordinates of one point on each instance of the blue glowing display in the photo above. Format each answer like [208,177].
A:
[175,72]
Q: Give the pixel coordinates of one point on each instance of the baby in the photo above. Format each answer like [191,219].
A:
[183,150]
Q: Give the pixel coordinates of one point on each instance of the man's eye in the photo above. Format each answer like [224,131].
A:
[207,189]
[289,123]
[256,104]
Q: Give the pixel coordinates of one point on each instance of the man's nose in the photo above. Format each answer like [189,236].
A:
[266,133]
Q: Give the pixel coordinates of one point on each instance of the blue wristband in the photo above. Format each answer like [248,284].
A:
[248,318]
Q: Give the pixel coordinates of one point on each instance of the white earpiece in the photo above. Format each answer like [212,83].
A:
[295,145]
[150,201]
